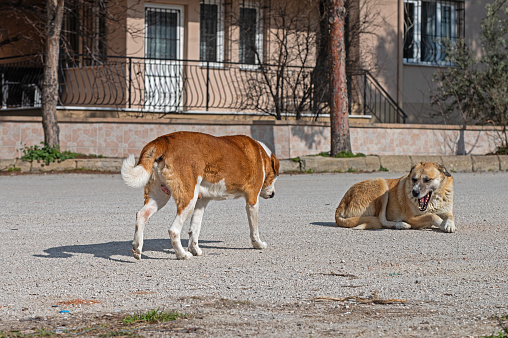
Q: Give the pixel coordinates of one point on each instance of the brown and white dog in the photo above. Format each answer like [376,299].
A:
[421,199]
[195,168]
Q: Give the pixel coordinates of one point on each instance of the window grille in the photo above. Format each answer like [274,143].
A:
[161,36]
[427,26]
[213,30]
[251,32]
[85,29]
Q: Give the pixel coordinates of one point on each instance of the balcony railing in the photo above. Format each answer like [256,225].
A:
[162,86]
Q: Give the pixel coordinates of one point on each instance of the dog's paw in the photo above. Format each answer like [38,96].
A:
[402,226]
[186,255]
[136,253]
[448,226]
[259,245]
[196,251]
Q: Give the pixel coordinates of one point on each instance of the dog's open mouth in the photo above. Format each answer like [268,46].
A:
[423,202]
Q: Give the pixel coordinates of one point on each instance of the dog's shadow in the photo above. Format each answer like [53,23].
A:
[334,225]
[325,224]
[111,250]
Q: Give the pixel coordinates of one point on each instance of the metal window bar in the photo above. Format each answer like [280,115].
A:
[427,25]
[214,30]
[85,30]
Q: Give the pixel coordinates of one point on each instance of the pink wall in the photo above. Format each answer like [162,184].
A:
[120,137]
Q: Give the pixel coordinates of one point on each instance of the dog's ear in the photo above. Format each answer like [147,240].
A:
[444,171]
[411,171]
[275,164]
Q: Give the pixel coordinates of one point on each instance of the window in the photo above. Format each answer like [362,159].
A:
[211,31]
[251,34]
[427,25]
[161,37]
[84,29]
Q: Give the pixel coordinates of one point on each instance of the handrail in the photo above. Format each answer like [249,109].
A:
[151,85]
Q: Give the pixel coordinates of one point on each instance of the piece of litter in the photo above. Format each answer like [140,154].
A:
[64,311]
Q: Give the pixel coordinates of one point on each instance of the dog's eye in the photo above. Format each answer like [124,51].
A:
[414,179]
[426,180]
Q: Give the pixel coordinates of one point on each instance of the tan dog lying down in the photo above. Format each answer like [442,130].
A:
[421,199]
[195,168]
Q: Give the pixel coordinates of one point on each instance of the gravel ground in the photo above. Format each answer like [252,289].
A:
[67,246]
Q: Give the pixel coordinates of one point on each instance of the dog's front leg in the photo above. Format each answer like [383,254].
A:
[425,221]
[252,214]
[195,226]
[448,223]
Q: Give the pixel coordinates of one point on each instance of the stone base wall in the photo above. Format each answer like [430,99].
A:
[119,137]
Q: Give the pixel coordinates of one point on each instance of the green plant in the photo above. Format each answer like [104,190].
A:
[501,334]
[502,151]
[309,171]
[44,333]
[13,169]
[475,89]
[381,168]
[46,153]
[351,170]
[342,154]
[153,316]
[295,159]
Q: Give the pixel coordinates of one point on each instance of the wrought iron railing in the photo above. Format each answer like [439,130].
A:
[165,86]
[368,97]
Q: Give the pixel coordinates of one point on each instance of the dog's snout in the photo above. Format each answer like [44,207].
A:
[272,194]
[416,192]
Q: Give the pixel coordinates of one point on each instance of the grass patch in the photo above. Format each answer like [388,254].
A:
[28,333]
[501,151]
[342,154]
[13,169]
[351,170]
[503,333]
[381,168]
[153,316]
[49,154]
[295,159]
[46,153]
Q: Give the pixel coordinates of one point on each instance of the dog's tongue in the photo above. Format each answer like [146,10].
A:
[423,202]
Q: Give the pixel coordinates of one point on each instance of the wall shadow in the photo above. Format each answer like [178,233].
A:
[312,137]
[264,132]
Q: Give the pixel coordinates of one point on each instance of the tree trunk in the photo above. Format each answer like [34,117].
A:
[340,138]
[55,9]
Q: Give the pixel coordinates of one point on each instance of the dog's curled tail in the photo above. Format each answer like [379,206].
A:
[137,176]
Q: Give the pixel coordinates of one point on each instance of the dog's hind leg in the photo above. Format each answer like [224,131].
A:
[153,203]
[399,225]
[195,226]
[359,223]
[252,215]
[185,207]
